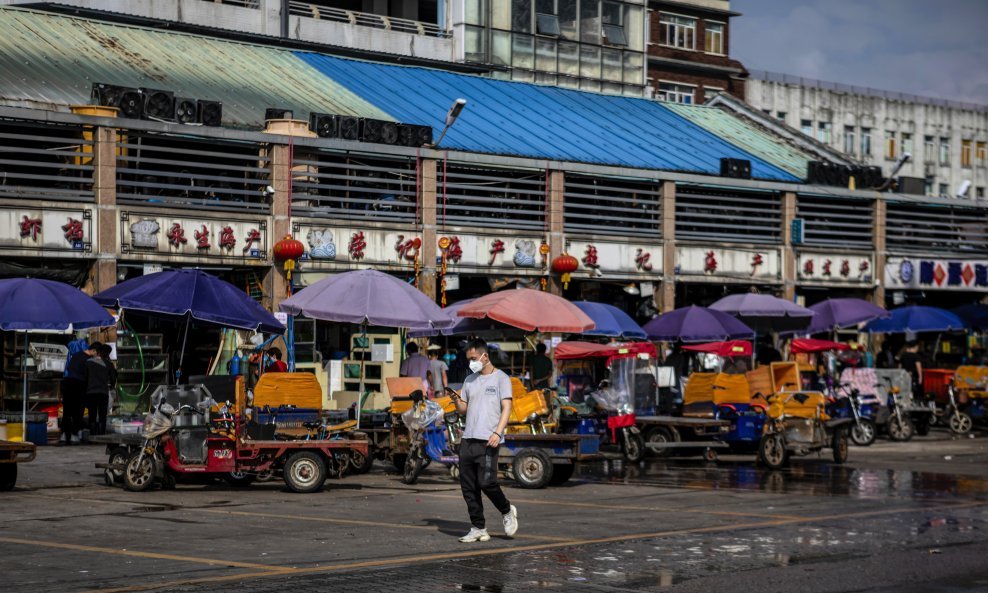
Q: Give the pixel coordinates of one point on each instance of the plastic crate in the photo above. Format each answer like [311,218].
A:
[50,358]
[936,381]
[293,418]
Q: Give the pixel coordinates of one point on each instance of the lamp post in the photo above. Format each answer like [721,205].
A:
[451,115]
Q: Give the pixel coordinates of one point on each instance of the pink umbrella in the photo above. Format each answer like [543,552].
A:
[529,310]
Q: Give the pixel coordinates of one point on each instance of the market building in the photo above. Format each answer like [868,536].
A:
[660,204]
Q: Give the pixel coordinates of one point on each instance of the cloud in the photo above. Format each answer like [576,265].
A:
[911,46]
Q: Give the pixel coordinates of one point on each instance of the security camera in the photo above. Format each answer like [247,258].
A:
[964,187]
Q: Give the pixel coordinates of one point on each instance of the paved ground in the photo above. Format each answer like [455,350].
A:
[900,517]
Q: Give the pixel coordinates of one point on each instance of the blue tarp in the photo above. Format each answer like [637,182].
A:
[528,120]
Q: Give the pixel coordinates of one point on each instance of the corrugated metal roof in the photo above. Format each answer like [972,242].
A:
[738,131]
[521,119]
[51,61]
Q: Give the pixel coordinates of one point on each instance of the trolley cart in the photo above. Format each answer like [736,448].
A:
[11,454]
[664,434]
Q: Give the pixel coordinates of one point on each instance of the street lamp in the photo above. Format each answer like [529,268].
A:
[451,115]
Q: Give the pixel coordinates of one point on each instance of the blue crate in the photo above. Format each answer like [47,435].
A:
[293,418]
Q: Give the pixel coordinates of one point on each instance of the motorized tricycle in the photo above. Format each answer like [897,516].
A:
[847,402]
[798,425]
[895,416]
[966,399]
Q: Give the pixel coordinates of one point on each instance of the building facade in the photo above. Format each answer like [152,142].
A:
[947,139]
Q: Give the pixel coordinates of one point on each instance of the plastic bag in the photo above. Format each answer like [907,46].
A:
[158,422]
[419,417]
[613,400]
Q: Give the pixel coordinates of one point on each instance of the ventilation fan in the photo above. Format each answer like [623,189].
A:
[414,135]
[186,110]
[372,130]
[159,104]
[278,113]
[348,127]
[127,100]
[323,124]
[735,168]
[389,132]
[210,112]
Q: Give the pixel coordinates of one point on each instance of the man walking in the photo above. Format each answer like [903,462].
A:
[415,365]
[486,402]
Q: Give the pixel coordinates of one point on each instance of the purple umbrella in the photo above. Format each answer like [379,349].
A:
[367,297]
[765,313]
[834,314]
[696,324]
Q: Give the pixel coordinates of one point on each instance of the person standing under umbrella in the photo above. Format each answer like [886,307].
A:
[437,370]
[74,391]
[415,365]
[486,403]
[912,361]
[101,376]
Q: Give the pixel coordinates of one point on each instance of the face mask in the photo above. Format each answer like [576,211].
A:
[476,366]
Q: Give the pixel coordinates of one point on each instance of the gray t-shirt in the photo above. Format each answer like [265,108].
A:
[483,394]
[437,367]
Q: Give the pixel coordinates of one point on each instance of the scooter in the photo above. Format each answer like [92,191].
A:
[958,421]
[429,438]
[863,430]
[900,425]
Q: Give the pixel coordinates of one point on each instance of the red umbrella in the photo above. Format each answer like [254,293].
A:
[807,345]
[529,310]
[725,349]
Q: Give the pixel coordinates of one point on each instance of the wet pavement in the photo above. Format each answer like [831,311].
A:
[902,517]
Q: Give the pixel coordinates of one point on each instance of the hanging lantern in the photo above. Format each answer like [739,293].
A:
[565,265]
[288,250]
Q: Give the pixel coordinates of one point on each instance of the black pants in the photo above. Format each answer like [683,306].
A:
[478,473]
[73,403]
[96,404]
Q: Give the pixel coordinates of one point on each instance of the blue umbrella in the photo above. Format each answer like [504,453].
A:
[697,324]
[610,321]
[915,319]
[974,315]
[191,294]
[28,304]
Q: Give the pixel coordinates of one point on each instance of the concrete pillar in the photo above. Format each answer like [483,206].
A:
[427,212]
[665,292]
[275,282]
[557,237]
[788,253]
[878,231]
[107,239]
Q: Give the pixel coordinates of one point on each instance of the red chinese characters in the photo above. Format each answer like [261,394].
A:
[357,245]
[227,240]
[497,246]
[808,267]
[202,238]
[845,268]
[408,249]
[176,235]
[590,257]
[642,262]
[756,261]
[73,230]
[455,252]
[710,263]
[863,267]
[253,236]
[30,226]
[826,267]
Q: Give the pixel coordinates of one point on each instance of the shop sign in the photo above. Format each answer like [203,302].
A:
[759,264]
[325,244]
[834,268]
[936,274]
[602,259]
[500,253]
[197,237]
[46,229]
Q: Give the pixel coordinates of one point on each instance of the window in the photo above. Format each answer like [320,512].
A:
[944,151]
[567,20]
[865,142]
[590,21]
[614,35]
[713,37]
[547,24]
[521,16]
[979,154]
[781,115]
[807,126]
[942,190]
[849,140]
[523,51]
[678,31]
[907,143]
[710,91]
[966,153]
[475,12]
[928,186]
[676,93]
[823,132]
[545,55]
[979,192]
[890,144]
[929,155]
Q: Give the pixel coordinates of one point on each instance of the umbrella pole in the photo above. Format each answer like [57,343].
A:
[181,355]
[936,346]
[24,393]
[363,356]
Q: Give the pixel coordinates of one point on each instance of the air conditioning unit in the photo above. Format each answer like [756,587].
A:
[278,113]
[127,100]
[159,104]
[323,124]
[414,135]
[210,113]
[912,185]
[186,110]
[378,131]
[348,127]
[735,168]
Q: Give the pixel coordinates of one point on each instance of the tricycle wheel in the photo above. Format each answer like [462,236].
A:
[900,429]
[360,463]
[561,473]
[414,465]
[660,436]
[117,457]
[863,433]
[398,460]
[239,479]
[8,476]
[139,472]
[960,423]
[532,468]
[305,472]
[772,451]
[710,455]
[839,446]
[632,446]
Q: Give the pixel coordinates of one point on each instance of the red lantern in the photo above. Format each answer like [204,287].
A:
[565,265]
[288,250]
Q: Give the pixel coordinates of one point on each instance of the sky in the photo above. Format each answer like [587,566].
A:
[936,48]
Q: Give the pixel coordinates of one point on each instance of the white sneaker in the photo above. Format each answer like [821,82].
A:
[475,535]
[511,522]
